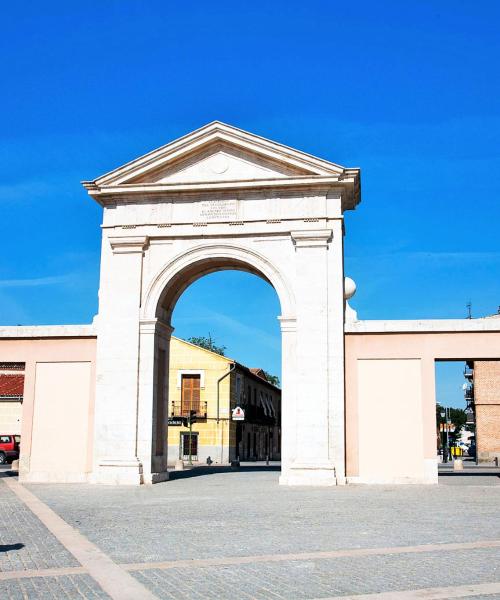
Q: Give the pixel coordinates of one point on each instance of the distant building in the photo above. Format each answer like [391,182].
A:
[11,397]
[483,399]
[212,386]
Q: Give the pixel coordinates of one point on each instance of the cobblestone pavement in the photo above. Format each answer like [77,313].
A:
[254,537]
[242,513]
[323,578]
[26,544]
[53,588]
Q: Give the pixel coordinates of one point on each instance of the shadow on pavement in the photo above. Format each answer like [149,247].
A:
[199,471]
[8,547]
[468,474]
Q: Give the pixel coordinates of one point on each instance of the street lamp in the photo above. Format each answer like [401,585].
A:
[445,414]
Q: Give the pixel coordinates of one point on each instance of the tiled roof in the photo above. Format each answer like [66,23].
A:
[11,385]
[258,372]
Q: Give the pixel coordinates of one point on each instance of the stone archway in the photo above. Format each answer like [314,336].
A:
[155,330]
[221,198]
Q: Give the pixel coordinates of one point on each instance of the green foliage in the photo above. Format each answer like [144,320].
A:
[274,379]
[207,343]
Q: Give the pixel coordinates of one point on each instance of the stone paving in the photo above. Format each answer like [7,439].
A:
[53,588]
[25,544]
[322,578]
[247,526]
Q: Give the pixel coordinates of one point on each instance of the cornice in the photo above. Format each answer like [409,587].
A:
[128,244]
[108,194]
[311,238]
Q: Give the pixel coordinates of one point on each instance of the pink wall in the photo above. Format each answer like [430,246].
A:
[48,350]
[426,346]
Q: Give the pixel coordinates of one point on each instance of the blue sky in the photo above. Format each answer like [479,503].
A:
[406,91]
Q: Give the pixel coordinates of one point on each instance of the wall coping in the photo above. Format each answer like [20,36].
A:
[423,326]
[47,331]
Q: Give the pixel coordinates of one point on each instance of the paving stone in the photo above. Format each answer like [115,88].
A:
[302,580]
[25,543]
[247,513]
[66,587]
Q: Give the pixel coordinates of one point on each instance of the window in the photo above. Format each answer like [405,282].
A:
[186,441]
[190,394]
[249,396]
[4,439]
[238,389]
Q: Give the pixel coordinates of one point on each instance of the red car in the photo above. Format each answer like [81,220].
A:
[9,448]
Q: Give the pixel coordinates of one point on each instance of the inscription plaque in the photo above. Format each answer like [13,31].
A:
[218,210]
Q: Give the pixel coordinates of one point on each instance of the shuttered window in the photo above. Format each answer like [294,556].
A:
[190,390]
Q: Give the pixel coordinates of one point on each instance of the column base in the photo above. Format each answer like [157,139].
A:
[155,477]
[312,474]
[118,472]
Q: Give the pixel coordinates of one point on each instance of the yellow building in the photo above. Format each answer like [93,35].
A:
[211,387]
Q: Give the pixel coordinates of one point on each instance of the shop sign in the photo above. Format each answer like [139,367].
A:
[238,414]
[177,421]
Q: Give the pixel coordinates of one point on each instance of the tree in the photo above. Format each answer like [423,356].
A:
[207,343]
[274,379]
[458,418]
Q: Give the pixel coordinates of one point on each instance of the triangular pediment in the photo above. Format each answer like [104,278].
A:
[219,152]
[218,162]
[219,156]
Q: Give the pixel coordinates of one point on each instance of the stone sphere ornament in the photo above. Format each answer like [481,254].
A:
[349,288]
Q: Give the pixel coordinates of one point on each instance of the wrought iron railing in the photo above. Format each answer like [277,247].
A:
[468,372]
[469,393]
[184,409]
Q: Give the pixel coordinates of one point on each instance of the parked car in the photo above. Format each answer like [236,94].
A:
[9,448]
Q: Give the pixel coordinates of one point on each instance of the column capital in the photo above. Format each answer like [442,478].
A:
[153,326]
[311,238]
[128,244]
[288,323]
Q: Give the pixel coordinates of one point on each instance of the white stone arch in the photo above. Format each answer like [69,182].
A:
[161,295]
[214,257]
[171,217]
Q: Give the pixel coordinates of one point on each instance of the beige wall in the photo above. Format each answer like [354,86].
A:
[58,405]
[389,349]
[390,420]
[61,421]
[10,416]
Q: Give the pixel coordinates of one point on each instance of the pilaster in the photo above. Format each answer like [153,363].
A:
[312,463]
[115,445]
[288,326]
[152,409]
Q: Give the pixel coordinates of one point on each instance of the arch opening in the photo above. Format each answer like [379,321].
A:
[181,281]
[187,267]
[197,391]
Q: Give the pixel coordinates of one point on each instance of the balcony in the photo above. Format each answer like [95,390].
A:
[469,393]
[257,415]
[468,373]
[183,409]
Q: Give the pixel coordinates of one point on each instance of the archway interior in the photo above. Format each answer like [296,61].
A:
[227,302]
[454,398]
